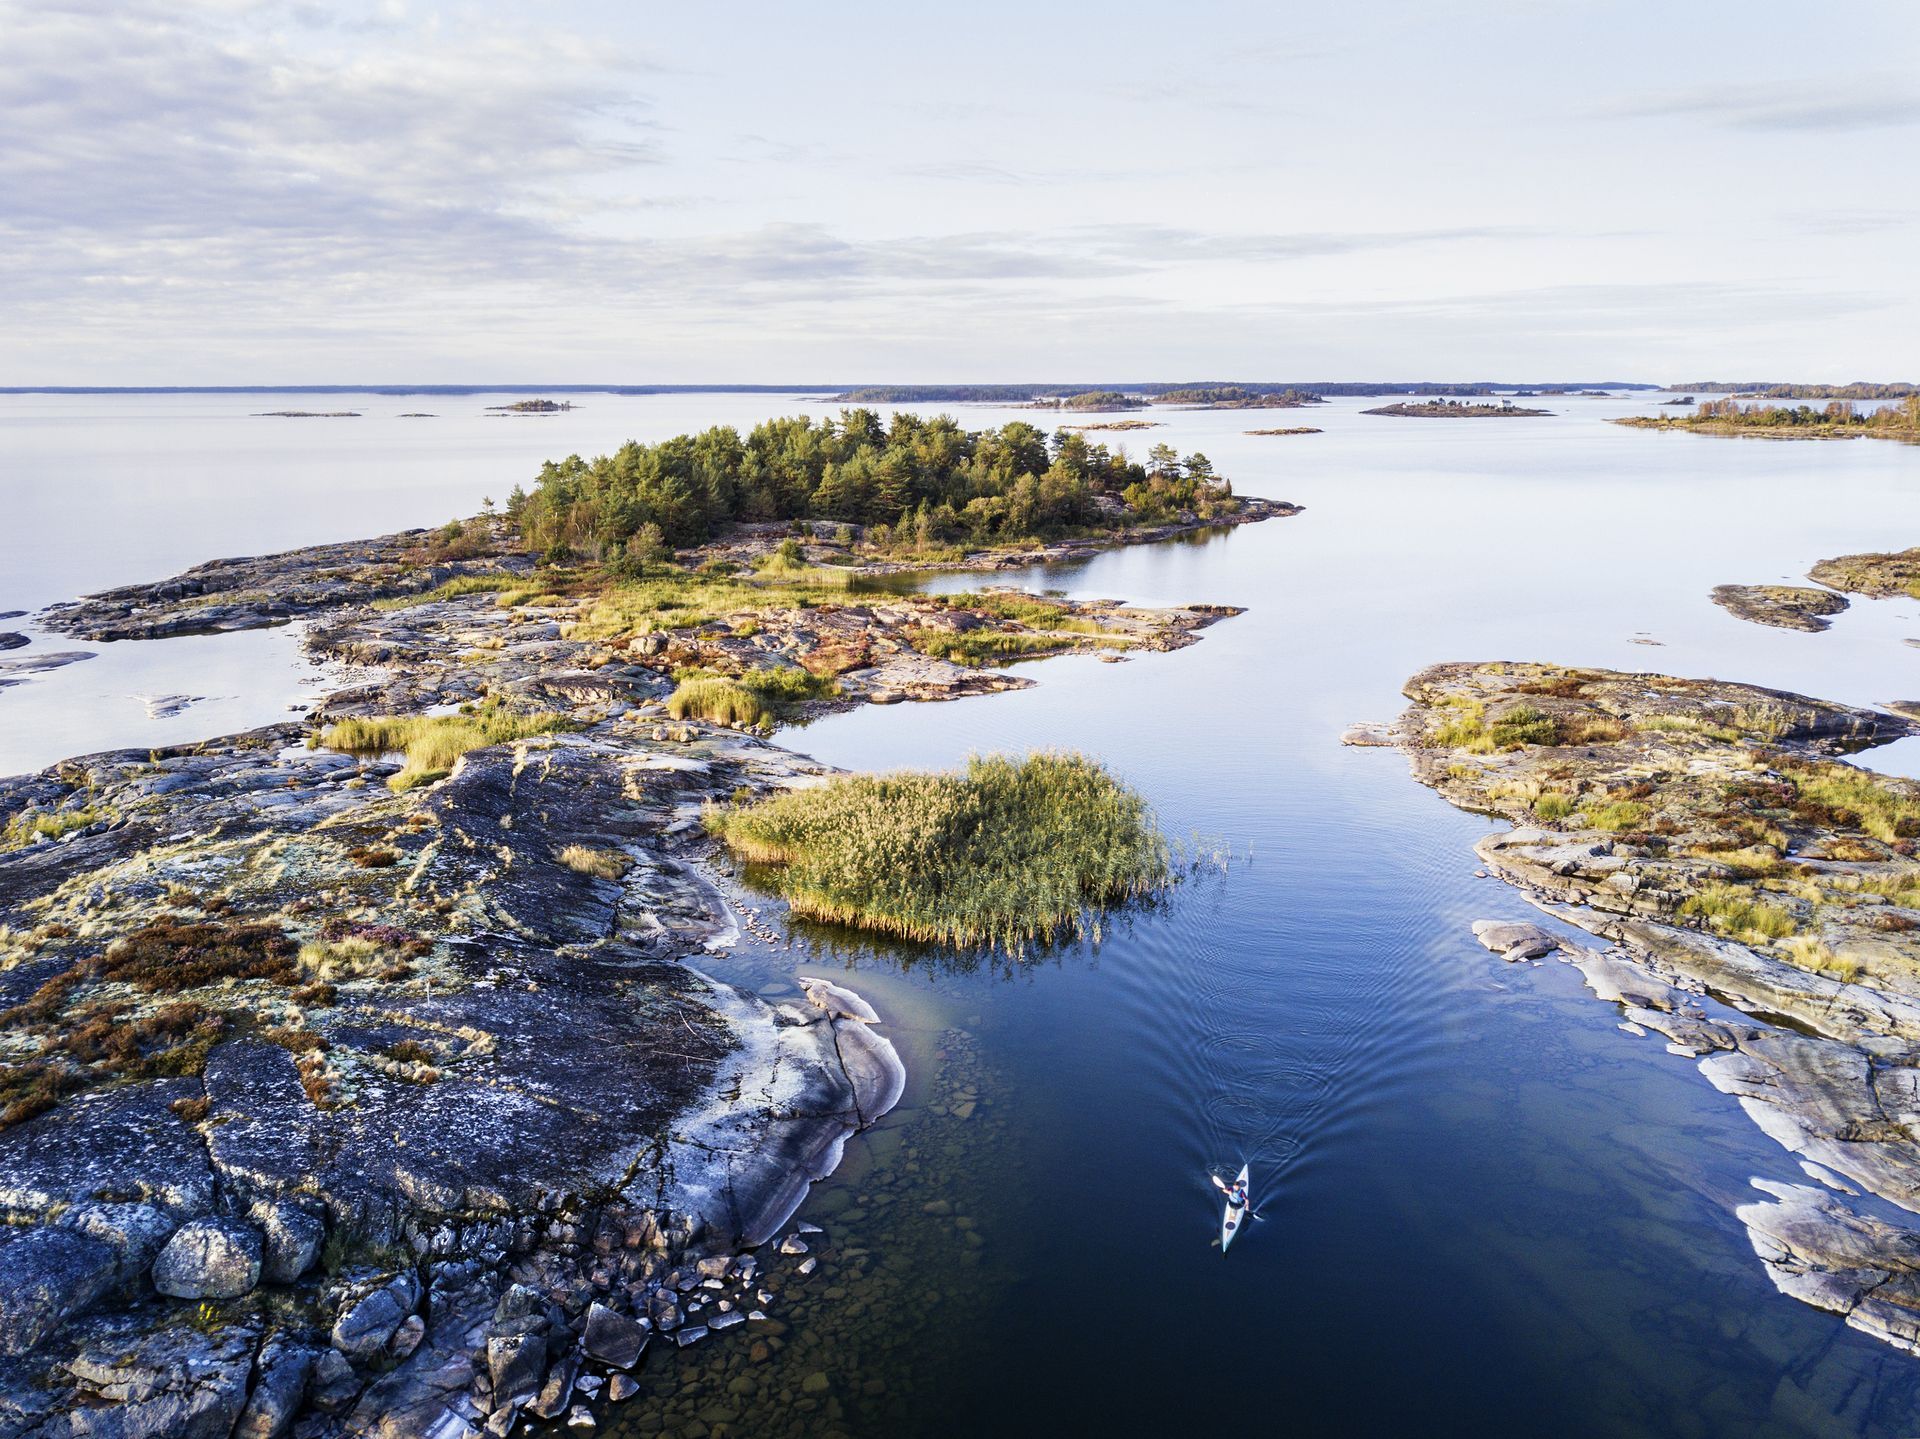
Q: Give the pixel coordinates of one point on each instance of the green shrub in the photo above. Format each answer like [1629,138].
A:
[32,825]
[1620,814]
[983,647]
[1522,725]
[1554,805]
[1736,911]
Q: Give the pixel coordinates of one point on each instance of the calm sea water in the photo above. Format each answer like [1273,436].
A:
[1485,1209]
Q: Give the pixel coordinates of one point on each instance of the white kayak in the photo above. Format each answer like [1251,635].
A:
[1234,1220]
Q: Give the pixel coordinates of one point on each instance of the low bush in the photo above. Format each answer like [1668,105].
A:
[1737,912]
[600,863]
[432,743]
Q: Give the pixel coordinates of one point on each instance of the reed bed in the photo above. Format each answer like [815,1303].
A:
[1007,854]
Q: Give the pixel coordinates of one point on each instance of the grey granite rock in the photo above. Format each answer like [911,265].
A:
[46,1277]
[209,1259]
[293,1239]
[367,1322]
[614,1339]
[282,1372]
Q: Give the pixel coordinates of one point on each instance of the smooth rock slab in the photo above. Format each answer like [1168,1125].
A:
[614,1339]
[46,1277]
[1514,939]
[209,1259]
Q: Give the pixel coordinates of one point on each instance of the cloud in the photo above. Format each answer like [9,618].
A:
[169,144]
[1863,103]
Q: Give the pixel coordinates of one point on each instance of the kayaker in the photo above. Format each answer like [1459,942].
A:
[1236,1192]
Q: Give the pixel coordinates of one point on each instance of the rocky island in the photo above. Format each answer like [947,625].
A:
[1713,839]
[1444,409]
[1792,607]
[1837,420]
[358,1075]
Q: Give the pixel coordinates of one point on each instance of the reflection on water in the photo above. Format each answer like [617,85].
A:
[1487,1210]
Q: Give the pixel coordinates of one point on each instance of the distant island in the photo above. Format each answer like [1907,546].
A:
[1118,425]
[1454,410]
[1791,390]
[307,415]
[1837,420]
[1237,397]
[533,407]
[1090,400]
[1288,430]
[1159,390]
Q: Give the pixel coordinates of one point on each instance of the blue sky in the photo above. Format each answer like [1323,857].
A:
[233,192]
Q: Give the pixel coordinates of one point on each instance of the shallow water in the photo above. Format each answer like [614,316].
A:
[1485,1207]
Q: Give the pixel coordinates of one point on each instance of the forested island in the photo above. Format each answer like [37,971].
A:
[1790,390]
[1837,420]
[1454,410]
[916,486]
[532,407]
[1091,401]
[1237,397]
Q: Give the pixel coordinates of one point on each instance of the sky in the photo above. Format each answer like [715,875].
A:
[231,192]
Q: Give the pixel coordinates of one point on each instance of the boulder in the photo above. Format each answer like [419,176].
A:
[1505,937]
[209,1259]
[663,1311]
[515,1363]
[335,1385]
[293,1239]
[280,1389]
[366,1326]
[46,1277]
[614,1339]
[556,1393]
[135,1232]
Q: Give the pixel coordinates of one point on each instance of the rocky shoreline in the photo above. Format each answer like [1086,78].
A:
[335,1110]
[1707,833]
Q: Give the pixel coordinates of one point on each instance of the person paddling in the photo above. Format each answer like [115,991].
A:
[1236,1192]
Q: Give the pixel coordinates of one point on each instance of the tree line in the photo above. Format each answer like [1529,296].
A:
[913,481]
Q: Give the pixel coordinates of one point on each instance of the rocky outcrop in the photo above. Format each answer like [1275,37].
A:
[1790,607]
[1878,576]
[1706,831]
[258,591]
